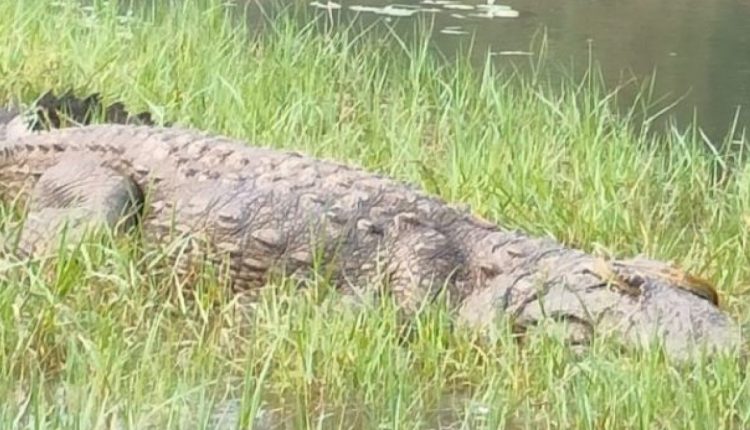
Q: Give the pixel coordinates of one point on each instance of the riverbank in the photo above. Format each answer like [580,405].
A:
[95,339]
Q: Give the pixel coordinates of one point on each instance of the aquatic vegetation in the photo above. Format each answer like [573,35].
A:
[107,337]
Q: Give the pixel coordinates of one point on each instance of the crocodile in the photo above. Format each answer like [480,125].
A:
[258,211]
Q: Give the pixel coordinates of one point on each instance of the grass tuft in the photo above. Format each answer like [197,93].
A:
[107,336]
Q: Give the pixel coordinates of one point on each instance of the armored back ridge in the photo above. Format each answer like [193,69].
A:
[263,210]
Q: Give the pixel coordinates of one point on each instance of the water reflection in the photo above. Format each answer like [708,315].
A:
[699,50]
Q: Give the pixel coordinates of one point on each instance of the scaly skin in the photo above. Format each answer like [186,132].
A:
[263,210]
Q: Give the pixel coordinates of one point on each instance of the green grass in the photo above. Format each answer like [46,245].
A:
[106,336]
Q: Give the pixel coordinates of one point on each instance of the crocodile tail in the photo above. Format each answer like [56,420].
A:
[51,111]
[7,114]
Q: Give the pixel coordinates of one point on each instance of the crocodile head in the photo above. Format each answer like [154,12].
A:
[640,303]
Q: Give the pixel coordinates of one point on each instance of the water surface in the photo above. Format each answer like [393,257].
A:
[698,50]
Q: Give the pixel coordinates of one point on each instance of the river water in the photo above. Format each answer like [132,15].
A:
[697,50]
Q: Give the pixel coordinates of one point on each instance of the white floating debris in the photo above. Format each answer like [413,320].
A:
[458,16]
[458,6]
[513,53]
[493,7]
[327,6]
[439,2]
[389,10]
[454,30]
[422,9]
[496,11]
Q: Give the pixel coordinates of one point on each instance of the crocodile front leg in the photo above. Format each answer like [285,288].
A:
[423,263]
[74,196]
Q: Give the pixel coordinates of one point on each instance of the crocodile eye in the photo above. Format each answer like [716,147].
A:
[635,280]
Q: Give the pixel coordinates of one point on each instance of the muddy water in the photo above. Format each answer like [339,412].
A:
[699,50]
